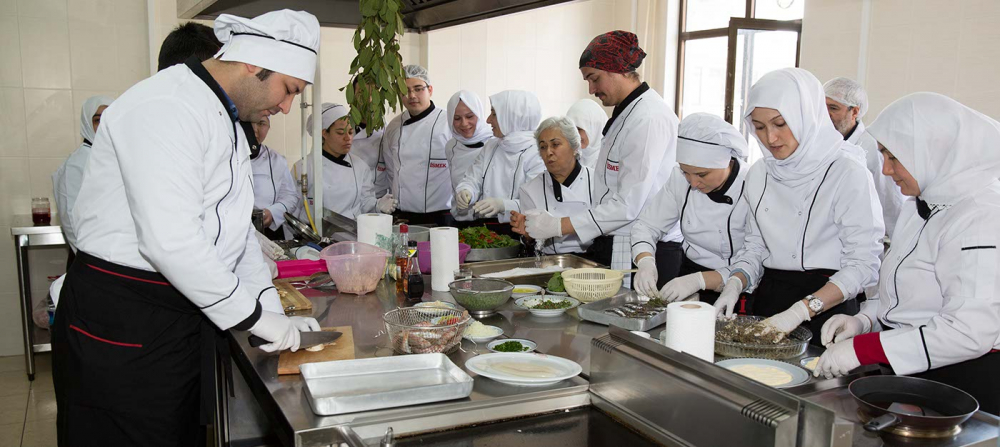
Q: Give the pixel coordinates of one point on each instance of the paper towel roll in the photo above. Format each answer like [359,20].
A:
[371,226]
[691,329]
[444,257]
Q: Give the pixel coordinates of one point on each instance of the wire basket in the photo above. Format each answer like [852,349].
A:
[794,346]
[423,331]
[591,284]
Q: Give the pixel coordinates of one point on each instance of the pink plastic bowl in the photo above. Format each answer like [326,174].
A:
[355,267]
[424,255]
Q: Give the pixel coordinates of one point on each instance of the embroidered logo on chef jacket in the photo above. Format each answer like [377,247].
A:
[613,166]
[439,164]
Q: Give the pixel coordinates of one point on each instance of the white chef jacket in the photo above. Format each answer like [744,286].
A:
[274,189]
[460,160]
[713,232]
[365,147]
[889,195]
[168,189]
[346,189]
[500,173]
[66,182]
[572,197]
[417,167]
[939,288]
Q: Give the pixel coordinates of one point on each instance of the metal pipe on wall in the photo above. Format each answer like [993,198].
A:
[317,138]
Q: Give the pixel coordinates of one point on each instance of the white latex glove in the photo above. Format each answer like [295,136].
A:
[841,327]
[281,331]
[463,198]
[387,204]
[645,279]
[682,287]
[541,225]
[838,360]
[489,207]
[729,296]
[788,320]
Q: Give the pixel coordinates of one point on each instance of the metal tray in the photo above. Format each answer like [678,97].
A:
[492,254]
[567,261]
[348,386]
[595,312]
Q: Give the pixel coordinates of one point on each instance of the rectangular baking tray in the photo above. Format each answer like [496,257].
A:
[349,386]
[595,312]
[568,261]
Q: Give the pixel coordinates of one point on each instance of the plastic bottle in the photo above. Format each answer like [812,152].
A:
[402,256]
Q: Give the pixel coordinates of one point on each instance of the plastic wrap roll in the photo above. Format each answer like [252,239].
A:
[691,329]
[373,225]
[444,257]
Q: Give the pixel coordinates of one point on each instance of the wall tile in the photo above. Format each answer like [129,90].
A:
[97,12]
[980,9]
[15,192]
[45,58]
[94,66]
[8,7]
[130,11]
[10,52]
[49,123]
[133,54]
[47,9]
[11,337]
[892,12]
[13,142]
[40,177]
[8,262]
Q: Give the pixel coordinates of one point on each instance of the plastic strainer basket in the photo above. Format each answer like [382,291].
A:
[590,284]
[420,330]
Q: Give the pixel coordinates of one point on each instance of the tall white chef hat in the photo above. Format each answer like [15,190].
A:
[707,141]
[284,41]
[331,113]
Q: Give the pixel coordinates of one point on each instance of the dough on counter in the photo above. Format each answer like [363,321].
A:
[766,374]
[318,348]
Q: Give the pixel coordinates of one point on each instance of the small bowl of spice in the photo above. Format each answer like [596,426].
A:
[512,345]
[540,306]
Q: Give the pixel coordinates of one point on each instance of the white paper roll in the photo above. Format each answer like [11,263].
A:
[444,257]
[691,329]
[371,226]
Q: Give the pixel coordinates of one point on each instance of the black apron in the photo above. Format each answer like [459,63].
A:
[435,218]
[779,289]
[688,267]
[977,377]
[132,359]
[668,257]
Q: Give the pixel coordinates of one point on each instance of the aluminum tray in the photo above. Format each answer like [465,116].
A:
[567,261]
[493,254]
[595,312]
[348,386]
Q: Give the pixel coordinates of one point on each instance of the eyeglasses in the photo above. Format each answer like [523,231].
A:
[416,90]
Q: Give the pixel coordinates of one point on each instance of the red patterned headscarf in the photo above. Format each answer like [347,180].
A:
[614,52]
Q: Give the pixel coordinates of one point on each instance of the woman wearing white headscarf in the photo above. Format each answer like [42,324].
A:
[937,314]
[590,120]
[816,227]
[505,163]
[470,132]
[703,196]
[347,180]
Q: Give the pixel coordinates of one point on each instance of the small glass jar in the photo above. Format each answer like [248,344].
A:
[41,213]
[463,273]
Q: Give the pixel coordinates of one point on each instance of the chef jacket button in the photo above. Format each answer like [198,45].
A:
[765,209]
[794,256]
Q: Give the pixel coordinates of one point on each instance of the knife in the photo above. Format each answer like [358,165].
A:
[308,340]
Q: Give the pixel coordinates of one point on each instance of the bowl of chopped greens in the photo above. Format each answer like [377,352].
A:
[555,285]
[481,296]
[487,245]
[540,306]
[512,345]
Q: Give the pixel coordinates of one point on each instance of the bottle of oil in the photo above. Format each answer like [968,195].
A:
[415,279]
[402,256]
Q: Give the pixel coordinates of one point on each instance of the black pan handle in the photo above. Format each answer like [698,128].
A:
[256,342]
[881,423]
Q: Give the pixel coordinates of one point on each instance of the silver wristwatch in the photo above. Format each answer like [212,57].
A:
[815,304]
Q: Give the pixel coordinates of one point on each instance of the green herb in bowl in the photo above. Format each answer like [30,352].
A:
[481,237]
[549,304]
[555,283]
[510,346]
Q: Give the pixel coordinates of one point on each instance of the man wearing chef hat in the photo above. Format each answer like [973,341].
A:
[167,255]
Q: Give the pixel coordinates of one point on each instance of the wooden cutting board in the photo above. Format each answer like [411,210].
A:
[292,300]
[288,362]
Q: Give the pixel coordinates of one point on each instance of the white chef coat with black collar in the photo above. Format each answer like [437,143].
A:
[346,185]
[889,195]
[169,189]
[460,160]
[416,165]
[713,225]
[364,147]
[66,183]
[572,196]
[274,189]
[500,173]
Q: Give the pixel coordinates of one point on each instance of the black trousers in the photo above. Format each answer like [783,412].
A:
[688,267]
[779,289]
[976,377]
[128,353]
[436,218]
[668,257]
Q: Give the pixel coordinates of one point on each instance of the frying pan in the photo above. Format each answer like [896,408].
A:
[909,406]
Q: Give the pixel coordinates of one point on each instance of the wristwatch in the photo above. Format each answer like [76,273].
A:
[815,304]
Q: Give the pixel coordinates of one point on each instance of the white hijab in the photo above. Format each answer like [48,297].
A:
[87,112]
[591,117]
[951,150]
[798,96]
[518,113]
[707,141]
[472,101]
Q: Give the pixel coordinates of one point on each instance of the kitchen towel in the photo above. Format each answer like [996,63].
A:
[444,257]
[691,329]
[376,229]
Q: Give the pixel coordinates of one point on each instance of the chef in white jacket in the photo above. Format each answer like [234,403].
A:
[637,155]
[167,254]
[590,119]
[567,187]
[366,146]
[470,133]
[703,197]
[847,103]
[274,190]
[491,187]
[347,180]
[412,153]
[937,314]
[816,226]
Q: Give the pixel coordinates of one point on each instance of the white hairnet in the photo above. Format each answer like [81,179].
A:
[87,113]
[417,72]
[847,92]
[707,141]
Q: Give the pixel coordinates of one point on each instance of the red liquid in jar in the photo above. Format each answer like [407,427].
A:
[41,218]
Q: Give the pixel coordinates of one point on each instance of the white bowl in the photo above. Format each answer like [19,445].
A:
[496,333]
[521,302]
[526,343]
[535,290]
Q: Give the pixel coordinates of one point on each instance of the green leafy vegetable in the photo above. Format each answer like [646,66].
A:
[555,283]
[481,237]
[548,304]
[510,346]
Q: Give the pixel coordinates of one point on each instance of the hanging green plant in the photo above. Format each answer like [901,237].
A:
[377,71]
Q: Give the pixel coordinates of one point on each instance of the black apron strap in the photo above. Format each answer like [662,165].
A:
[779,289]
[669,261]
[688,267]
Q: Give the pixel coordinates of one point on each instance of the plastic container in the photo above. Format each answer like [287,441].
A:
[294,269]
[591,284]
[355,267]
[424,255]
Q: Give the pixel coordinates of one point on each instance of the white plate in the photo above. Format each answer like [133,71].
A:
[526,343]
[546,312]
[535,290]
[799,375]
[306,252]
[486,365]
[496,333]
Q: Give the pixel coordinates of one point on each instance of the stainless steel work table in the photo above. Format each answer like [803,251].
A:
[27,235]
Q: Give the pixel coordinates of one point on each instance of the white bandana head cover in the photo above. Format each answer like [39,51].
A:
[283,41]
[331,113]
[87,112]
[472,101]
[951,150]
[707,141]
